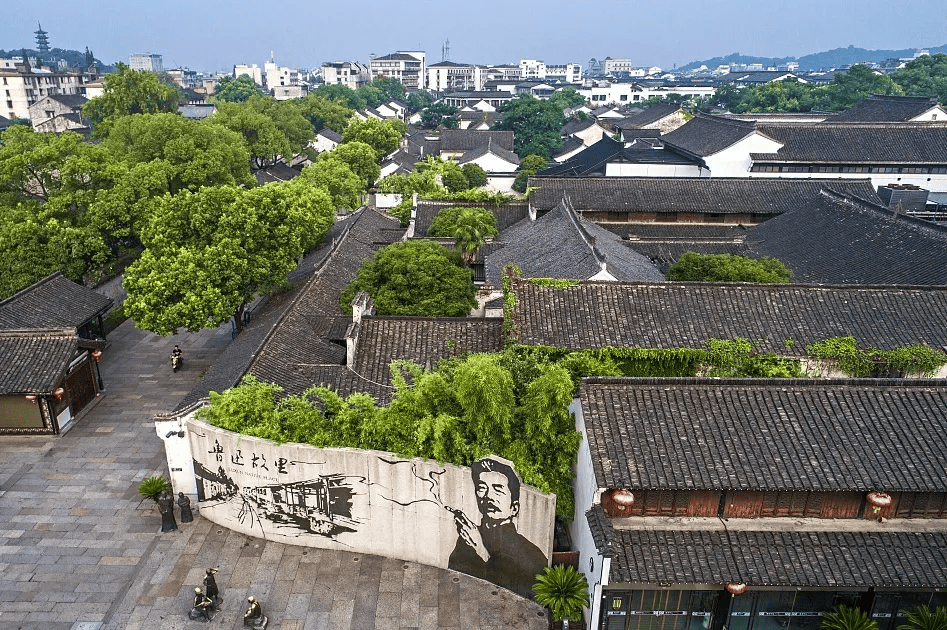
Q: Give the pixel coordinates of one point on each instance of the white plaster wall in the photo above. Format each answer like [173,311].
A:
[591,562]
[652,170]
[385,201]
[932,182]
[397,508]
[501,183]
[493,164]
[734,161]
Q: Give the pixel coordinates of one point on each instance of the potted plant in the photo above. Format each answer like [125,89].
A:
[846,618]
[152,487]
[564,591]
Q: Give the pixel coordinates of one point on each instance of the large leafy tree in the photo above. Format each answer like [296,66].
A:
[337,178]
[415,278]
[236,90]
[925,76]
[172,153]
[263,137]
[777,96]
[126,92]
[857,84]
[419,99]
[383,136]
[210,252]
[694,267]
[361,159]
[324,112]
[439,114]
[341,94]
[566,97]
[391,89]
[536,124]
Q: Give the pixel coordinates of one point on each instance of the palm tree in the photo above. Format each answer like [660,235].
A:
[563,590]
[921,618]
[846,618]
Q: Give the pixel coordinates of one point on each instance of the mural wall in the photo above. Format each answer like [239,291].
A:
[480,520]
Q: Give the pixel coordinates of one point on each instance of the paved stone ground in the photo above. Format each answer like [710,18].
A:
[80,549]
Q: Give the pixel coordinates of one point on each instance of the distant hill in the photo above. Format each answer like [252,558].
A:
[817,61]
[74,58]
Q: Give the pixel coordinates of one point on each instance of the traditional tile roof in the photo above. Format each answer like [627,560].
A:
[281,172]
[888,143]
[53,302]
[197,112]
[575,126]
[878,108]
[569,145]
[758,76]
[35,360]
[560,244]
[423,340]
[490,149]
[682,194]
[772,558]
[506,215]
[843,240]
[477,116]
[648,116]
[74,101]
[329,134]
[470,139]
[705,135]
[767,435]
[686,315]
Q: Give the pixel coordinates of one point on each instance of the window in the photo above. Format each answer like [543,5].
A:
[623,97]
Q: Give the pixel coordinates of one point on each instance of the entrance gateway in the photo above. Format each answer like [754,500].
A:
[759,610]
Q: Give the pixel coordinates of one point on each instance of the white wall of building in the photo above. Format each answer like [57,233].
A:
[734,161]
[653,170]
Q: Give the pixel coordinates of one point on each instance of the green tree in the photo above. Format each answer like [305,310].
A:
[789,95]
[341,94]
[415,278]
[925,76]
[530,165]
[727,96]
[921,618]
[438,114]
[383,137]
[566,97]
[418,100]
[694,267]
[361,159]
[856,85]
[171,153]
[475,175]
[564,591]
[239,90]
[372,96]
[846,618]
[324,112]
[392,89]
[447,220]
[209,253]
[535,123]
[336,177]
[126,92]
[453,178]
[264,139]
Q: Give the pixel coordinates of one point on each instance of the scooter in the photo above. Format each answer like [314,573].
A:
[176,360]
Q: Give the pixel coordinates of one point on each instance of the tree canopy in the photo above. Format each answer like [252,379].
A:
[469,227]
[237,90]
[361,159]
[418,277]
[566,97]
[335,176]
[126,92]
[210,252]
[438,114]
[325,112]
[383,137]
[694,267]
[536,124]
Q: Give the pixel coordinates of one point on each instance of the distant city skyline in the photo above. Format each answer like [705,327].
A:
[215,35]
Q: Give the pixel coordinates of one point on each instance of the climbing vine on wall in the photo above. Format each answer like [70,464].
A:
[844,353]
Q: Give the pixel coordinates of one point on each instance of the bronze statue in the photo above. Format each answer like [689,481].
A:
[254,616]
[185,504]
[202,606]
[210,586]
[166,507]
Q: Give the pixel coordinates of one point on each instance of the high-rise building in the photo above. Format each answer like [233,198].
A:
[146,61]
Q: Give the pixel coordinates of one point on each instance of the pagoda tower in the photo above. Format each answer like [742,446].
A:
[42,41]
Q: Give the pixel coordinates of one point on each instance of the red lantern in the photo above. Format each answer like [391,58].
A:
[736,589]
[624,499]
[97,355]
[31,398]
[59,392]
[878,499]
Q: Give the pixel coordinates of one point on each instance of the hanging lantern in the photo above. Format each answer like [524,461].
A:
[736,589]
[31,398]
[623,499]
[97,355]
[59,392]
[878,499]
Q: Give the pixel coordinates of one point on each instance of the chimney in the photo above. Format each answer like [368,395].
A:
[362,306]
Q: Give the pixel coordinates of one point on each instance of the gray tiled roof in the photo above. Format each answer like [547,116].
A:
[842,240]
[648,116]
[53,302]
[686,315]
[767,435]
[594,160]
[560,244]
[470,139]
[34,361]
[888,143]
[705,135]
[878,108]
[774,558]
[683,194]
[75,101]
[490,148]
[330,134]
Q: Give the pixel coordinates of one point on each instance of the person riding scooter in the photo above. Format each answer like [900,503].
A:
[177,356]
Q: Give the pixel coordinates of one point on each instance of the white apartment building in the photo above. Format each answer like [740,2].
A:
[567,73]
[409,67]
[252,71]
[617,65]
[146,62]
[448,76]
[348,73]
[275,76]
[22,85]
[608,93]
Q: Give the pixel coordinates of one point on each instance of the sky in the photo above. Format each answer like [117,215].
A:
[213,35]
